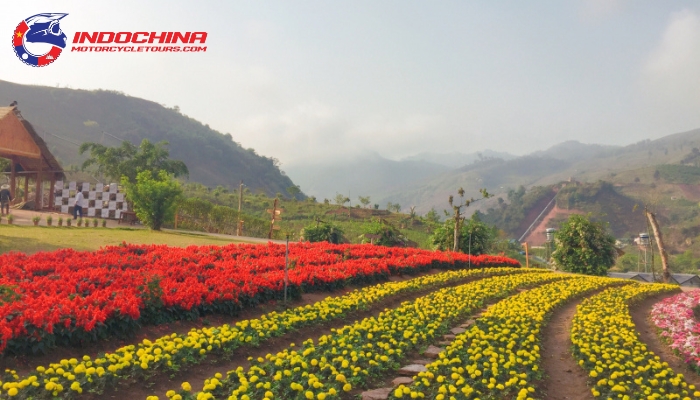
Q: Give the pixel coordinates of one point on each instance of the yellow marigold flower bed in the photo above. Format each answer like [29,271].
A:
[499,356]
[607,345]
[175,351]
[349,356]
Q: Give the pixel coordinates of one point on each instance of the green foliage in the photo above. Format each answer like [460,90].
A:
[341,199]
[128,160]
[628,262]
[685,262]
[393,207]
[679,173]
[202,215]
[8,294]
[389,235]
[576,196]
[293,191]
[432,218]
[364,200]
[584,247]
[154,198]
[696,312]
[475,237]
[323,232]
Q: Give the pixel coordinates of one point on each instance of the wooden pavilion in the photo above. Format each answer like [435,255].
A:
[29,157]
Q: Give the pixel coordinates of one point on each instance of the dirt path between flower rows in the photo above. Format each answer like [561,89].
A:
[647,334]
[564,378]
[196,374]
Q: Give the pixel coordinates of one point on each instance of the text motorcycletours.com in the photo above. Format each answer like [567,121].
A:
[146,41]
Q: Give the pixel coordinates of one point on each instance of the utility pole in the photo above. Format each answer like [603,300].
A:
[239,228]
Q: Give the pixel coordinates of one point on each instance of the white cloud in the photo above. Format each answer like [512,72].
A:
[670,78]
[313,131]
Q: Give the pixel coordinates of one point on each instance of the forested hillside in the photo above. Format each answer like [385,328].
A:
[65,118]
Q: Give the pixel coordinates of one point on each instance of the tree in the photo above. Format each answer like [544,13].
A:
[365,200]
[583,246]
[475,237]
[323,232]
[393,207]
[387,234]
[457,208]
[432,217]
[293,191]
[341,199]
[154,198]
[128,160]
[412,215]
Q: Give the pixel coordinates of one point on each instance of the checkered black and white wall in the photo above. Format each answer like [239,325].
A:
[103,201]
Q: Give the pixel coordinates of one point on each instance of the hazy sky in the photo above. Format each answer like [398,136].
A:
[303,80]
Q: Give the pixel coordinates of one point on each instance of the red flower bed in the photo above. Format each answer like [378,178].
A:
[67,296]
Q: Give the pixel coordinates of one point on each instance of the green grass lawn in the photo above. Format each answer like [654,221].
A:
[31,239]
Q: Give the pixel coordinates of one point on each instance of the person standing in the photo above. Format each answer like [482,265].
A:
[79,204]
[5,199]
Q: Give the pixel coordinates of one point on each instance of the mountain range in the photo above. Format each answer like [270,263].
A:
[65,118]
[429,185]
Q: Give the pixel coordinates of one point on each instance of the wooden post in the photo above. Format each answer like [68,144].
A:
[13,177]
[38,195]
[26,188]
[527,255]
[660,245]
[52,189]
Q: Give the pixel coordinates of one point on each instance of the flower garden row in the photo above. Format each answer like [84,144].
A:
[678,325]
[498,357]
[174,352]
[607,345]
[73,297]
[352,356]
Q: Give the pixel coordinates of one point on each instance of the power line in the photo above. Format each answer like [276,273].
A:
[109,134]
[67,140]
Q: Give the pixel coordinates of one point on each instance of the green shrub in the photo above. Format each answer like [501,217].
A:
[323,232]
[388,234]
[154,198]
[584,247]
[475,237]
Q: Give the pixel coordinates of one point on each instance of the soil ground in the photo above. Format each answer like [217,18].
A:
[564,380]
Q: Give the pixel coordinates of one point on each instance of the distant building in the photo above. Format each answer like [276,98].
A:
[680,279]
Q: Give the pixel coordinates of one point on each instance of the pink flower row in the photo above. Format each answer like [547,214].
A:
[674,318]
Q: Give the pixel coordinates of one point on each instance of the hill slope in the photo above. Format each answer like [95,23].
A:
[584,162]
[67,117]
